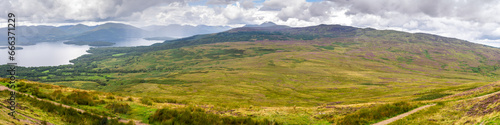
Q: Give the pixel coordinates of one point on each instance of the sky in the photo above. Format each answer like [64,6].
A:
[473,20]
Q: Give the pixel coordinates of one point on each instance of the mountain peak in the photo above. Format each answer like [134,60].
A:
[265,24]
[268,24]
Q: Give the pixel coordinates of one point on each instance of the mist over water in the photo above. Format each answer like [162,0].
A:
[58,53]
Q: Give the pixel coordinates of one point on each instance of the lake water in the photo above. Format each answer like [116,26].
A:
[58,53]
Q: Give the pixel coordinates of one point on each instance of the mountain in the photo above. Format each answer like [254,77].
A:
[379,45]
[265,24]
[111,32]
[294,75]
[76,29]
[175,30]
[108,32]
[27,35]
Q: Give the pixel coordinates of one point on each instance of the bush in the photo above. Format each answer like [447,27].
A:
[373,114]
[68,115]
[36,92]
[56,95]
[100,102]
[110,97]
[432,96]
[95,97]
[146,101]
[81,98]
[166,100]
[198,116]
[67,101]
[122,108]
[130,99]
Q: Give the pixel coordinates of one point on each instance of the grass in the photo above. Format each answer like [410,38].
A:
[376,113]
[26,108]
[326,47]
[255,73]
[432,96]
[294,81]
[304,76]
[460,108]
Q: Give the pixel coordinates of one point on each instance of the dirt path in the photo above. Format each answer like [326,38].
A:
[484,96]
[2,88]
[385,122]
[34,119]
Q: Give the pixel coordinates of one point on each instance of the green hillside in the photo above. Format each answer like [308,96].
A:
[310,75]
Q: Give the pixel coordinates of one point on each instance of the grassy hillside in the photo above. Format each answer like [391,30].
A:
[308,75]
[482,110]
[365,68]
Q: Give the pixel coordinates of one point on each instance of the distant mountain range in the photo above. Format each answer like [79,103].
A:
[266,24]
[108,32]
[180,31]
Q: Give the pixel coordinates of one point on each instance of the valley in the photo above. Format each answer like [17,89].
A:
[280,75]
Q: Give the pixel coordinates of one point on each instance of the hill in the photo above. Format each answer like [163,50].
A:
[109,32]
[175,30]
[307,75]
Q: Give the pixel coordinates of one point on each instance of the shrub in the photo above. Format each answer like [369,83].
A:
[81,98]
[373,114]
[130,99]
[110,97]
[95,97]
[56,95]
[122,108]
[432,96]
[100,102]
[198,116]
[67,101]
[146,101]
[68,115]
[166,100]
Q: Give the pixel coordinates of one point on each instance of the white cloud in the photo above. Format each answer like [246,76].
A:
[42,11]
[475,21]
[221,1]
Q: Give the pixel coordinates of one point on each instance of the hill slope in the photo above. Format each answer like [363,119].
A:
[317,66]
[175,30]
[310,65]
[110,32]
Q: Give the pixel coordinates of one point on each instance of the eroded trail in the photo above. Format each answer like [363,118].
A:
[29,117]
[387,121]
[2,88]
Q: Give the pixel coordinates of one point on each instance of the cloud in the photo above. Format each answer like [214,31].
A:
[469,20]
[470,10]
[225,2]
[247,4]
[463,19]
[277,5]
[184,14]
[42,11]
